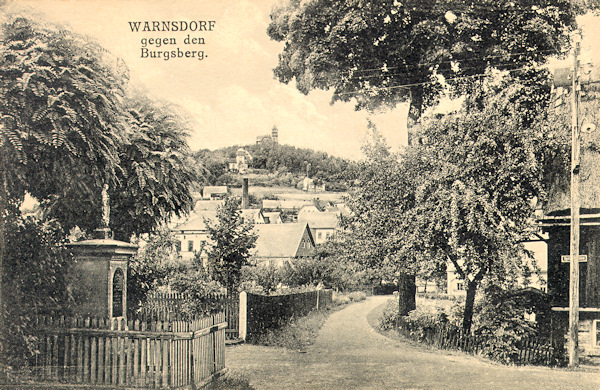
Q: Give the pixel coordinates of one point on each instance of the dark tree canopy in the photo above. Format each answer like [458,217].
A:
[382,52]
[61,109]
[157,174]
[69,125]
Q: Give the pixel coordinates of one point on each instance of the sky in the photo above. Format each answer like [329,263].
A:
[232,93]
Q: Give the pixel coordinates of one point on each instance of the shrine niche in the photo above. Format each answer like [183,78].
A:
[98,278]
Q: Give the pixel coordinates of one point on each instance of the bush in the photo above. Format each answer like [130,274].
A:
[262,279]
[501,321]
[151,267]
[297,333]
[33,281]
[340,299]
[201,292]
[357,296]
[230,381]
[389,317]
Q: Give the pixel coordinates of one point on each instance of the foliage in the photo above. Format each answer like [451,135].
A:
[286,164]
[260,279]
[475,179]
[62,111]
[297,333]
[357,296]
[33,282]
[378,200]
[157,173]
[389,316]
[68,128]
[152,267]
[231,241]
[203,294]
[501,320]
[365,49]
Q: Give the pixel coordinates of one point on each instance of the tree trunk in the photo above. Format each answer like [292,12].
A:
[414,112]
[407,290]
[469,304]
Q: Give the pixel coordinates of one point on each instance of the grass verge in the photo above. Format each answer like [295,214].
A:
[301,332]
[231,380]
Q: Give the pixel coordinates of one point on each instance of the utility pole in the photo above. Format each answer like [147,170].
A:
[575,205]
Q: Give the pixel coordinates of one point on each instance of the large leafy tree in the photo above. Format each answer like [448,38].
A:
[230,247]
[61,115]
[158,172]
[378,200]
[153,182]
[61,109]
[474,184]
[382,52]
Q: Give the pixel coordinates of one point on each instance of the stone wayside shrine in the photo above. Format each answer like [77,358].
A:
[98,278]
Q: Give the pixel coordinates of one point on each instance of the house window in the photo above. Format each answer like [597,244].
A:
[596,333]
[190,246]
[460,286]
[319,235]
[178,246]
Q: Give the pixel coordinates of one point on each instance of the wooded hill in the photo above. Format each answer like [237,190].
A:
[279,164]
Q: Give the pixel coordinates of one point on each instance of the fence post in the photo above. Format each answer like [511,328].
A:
[243,318]
[318,291]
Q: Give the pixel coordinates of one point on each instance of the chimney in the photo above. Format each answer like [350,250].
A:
[245,198]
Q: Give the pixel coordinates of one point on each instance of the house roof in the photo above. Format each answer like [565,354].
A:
[279,240]
[324,220]
[323,205]
[284,204]
[195,222]
[559,193]
[249,213]
[272,215]
[214,190]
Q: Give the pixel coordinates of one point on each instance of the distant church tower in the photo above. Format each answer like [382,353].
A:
[275,134]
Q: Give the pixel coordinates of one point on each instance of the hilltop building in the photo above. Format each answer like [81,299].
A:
[273,137]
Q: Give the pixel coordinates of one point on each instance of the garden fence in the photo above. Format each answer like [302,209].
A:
[445,336]
[100,352]
[265,312]
[159,305]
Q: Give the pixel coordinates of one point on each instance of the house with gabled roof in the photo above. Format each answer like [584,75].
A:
[278,244]
[323,225]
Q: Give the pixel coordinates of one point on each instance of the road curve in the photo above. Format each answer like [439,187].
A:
[349,354]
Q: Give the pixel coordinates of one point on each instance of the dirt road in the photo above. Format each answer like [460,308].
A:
[349,354]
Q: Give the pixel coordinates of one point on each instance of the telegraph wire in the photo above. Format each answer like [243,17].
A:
[407,86]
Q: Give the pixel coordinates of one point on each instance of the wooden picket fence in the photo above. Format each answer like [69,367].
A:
[529,351]
[100,352]
[163,304]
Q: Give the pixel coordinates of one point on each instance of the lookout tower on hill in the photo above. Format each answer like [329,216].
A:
[273,137]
